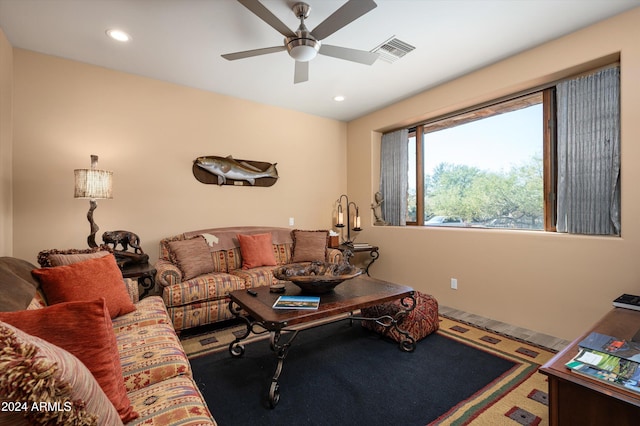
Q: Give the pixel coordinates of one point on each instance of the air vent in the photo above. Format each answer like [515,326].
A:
[393,49]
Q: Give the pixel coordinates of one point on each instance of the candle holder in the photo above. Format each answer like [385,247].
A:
[356,219]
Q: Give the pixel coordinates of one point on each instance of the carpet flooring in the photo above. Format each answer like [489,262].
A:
[459,375]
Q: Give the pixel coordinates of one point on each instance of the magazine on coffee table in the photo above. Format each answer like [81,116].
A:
[297,302]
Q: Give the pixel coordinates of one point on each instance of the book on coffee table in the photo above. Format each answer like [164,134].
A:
[297,302]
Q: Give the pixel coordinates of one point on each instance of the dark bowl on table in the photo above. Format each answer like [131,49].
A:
[316,277]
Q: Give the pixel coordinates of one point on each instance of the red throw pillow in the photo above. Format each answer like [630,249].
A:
[256,250]
[85,330]
[87,280]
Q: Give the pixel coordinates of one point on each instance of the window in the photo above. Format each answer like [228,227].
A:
[482,168]
[548,160]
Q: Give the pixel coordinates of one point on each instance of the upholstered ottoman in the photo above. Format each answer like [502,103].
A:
[420,322]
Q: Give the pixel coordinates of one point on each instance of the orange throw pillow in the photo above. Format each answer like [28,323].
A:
[87,280]
[256,250]
[85,330]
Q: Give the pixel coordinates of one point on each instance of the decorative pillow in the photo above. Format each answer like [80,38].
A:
[256,250]
[85,330]
[192,256]
[37,372]
[55,257]
[87,280]
[68,259]
[309,246]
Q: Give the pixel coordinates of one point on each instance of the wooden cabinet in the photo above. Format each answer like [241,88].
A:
[578,400]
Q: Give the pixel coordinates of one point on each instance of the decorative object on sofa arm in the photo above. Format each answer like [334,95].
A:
[356,219]
[93,184]
[228,171]
[317,277]
[125,239]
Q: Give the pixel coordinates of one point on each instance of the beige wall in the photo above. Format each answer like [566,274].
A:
[148,133]
[551,283]
[6,142]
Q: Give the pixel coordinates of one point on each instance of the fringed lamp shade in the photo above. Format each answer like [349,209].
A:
[93,184]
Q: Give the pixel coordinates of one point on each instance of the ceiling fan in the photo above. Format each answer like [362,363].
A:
[303,45]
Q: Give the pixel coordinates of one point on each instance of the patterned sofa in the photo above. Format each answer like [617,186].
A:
[196,270]
[91,369]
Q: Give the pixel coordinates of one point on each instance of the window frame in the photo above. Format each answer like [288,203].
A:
[467,115]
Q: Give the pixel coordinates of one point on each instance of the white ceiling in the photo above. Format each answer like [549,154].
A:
[181,41]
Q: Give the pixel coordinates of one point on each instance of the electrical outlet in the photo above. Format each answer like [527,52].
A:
[454,283]
[291,221]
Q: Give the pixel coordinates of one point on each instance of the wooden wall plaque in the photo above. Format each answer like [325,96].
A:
[210,178]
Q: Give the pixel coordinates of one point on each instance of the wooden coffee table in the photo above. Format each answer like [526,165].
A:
[350,296]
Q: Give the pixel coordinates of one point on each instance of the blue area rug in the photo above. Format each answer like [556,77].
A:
[340,374]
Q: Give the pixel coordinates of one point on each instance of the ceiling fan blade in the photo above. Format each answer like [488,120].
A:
[254,52]
[349,12]
[265,14]
[301,73]
[353,55]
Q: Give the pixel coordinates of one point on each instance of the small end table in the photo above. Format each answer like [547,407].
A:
[144,273]
[372,250]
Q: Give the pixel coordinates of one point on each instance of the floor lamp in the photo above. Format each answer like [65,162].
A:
[93,184]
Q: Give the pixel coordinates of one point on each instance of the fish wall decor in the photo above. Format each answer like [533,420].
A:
[212,169]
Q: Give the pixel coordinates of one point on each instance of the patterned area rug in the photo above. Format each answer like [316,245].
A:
[517,398]
[521,398]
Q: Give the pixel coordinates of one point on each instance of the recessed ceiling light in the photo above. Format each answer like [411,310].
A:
[118,35]
[339,98]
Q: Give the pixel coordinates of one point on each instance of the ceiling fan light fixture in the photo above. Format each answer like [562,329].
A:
[303,49]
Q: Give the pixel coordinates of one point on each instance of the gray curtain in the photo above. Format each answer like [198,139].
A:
[394,167]
[588,145]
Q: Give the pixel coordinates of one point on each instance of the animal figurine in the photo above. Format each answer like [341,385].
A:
[124,238]
[228,168]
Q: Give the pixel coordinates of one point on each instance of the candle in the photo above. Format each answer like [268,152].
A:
[340,218]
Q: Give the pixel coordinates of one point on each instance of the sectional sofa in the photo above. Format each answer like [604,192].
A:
[102,357]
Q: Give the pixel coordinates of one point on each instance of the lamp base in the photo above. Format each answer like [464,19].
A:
[91,239]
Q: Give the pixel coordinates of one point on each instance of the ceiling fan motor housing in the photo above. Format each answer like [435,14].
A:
[303,47]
